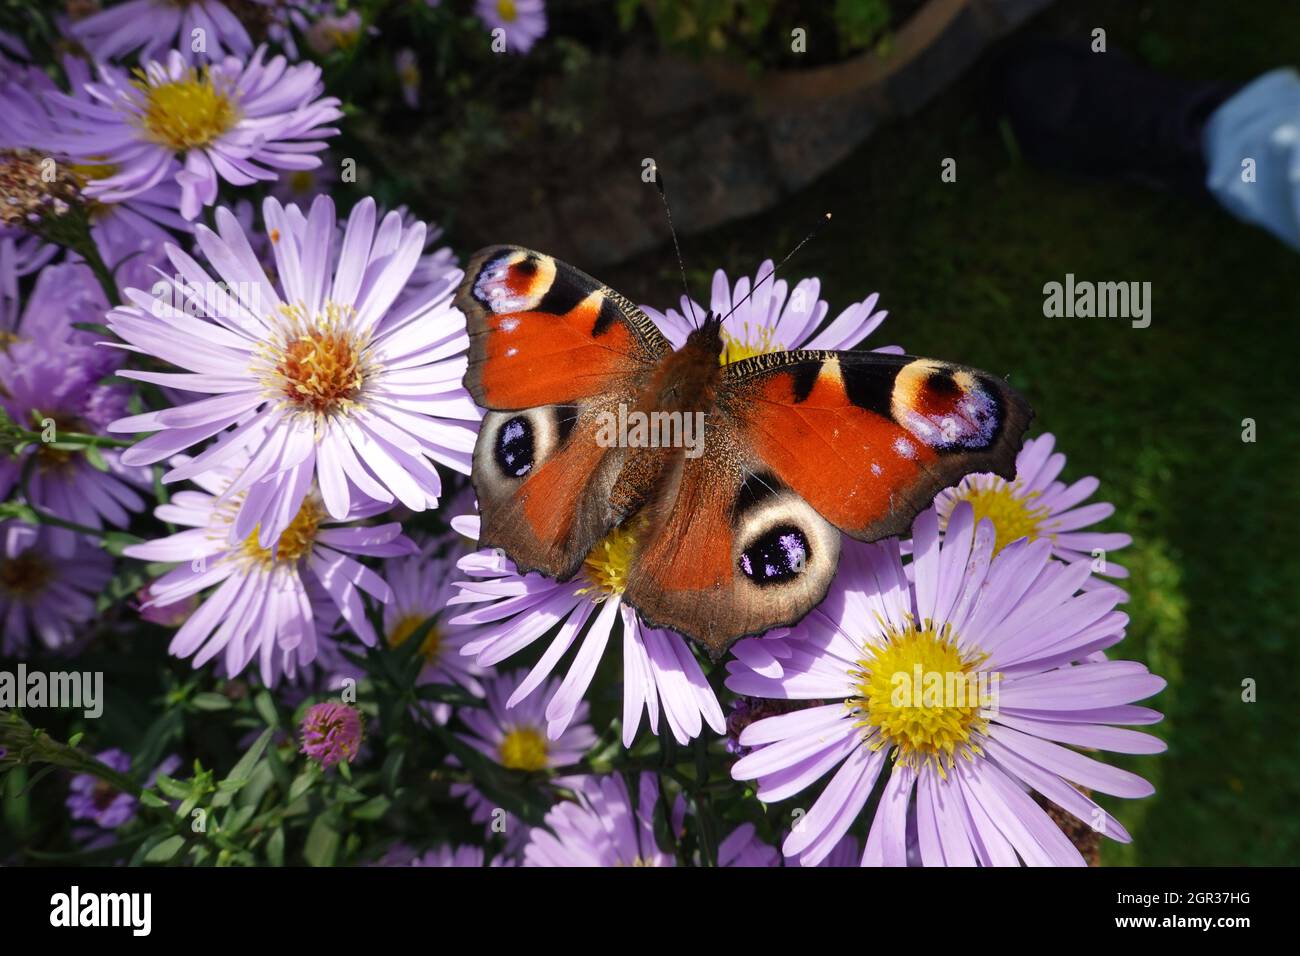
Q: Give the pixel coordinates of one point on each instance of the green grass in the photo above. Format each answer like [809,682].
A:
[1156,413]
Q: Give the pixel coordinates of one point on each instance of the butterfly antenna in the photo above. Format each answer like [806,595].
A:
[802,242]
[659,184]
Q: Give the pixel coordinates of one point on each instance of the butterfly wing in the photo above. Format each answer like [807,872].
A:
[544,333]
[868,439]
[551,349]
[801,444]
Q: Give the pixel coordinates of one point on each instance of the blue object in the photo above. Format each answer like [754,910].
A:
[1260,123]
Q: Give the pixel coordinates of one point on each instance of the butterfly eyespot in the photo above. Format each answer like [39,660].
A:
[778,555]
[514,449]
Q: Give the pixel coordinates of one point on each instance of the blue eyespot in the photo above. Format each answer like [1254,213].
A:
[780,554]
[514,447]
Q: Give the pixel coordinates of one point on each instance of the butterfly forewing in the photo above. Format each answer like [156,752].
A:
[550,350]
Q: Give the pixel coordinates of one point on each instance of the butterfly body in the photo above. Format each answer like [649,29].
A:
[739,533]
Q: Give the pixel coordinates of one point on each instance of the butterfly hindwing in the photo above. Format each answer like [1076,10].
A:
[550,349]
[801,444]
[543,484]
[729,549]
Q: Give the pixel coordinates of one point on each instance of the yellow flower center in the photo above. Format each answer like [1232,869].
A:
[750,342]
[301,181]
[88,172]
[507,10]
[182,114]
[606,566]
[343,37]
[24,576]
[319,365]
[85,172]
[523,748]
[918,694]
[49,458]
[1014,515]
[294,543]
[430,647]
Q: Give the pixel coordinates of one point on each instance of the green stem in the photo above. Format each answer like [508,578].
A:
[90,252]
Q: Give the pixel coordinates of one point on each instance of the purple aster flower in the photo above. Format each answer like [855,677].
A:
[90,798]
[43,594]
[772,319]
[524,21]
[331,382]
[963,686]
[515,610]
[63,294]
[58,390]
[422,589]
[846,853]
[443,855]
[1037,505]
[31,120]
[408,76]
[742,847]
[153,26]
[21,254]
[233,120]
[288,18]
[13,53]
[603,826]
[446,855]
[260,605]
[434,264]
[167,615]
[300,186]
[516,738]
[330,30]
[331,733]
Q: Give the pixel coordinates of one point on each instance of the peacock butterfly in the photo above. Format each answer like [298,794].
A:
[797,446]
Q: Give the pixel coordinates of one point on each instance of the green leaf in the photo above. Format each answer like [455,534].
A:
[176,789]
[211,702]
[322,841]
[304,782]
[372,809]
[449,694]
[391,773]
[265,707]
[151,799]
[242,771]
[236,820]
[275,847]
[115,542]
[96,458]
[164,851]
